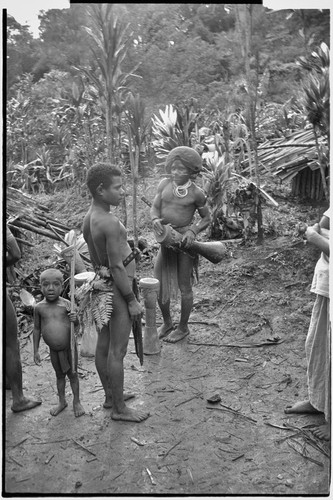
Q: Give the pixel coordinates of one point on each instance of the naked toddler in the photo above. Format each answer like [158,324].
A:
[52,321]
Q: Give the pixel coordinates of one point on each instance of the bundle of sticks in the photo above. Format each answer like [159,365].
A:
[23,212]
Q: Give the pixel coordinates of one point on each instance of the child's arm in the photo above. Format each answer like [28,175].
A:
[73,316]
[36,335]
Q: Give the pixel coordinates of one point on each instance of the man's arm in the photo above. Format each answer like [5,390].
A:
[155,211]
[204,222]
[203,210]
[111,229]
[324,222]
[314,237]
[13,252]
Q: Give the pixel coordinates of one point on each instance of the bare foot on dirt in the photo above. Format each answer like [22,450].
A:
[128,415]
[176,336]
[78,409]
[25,404]
[322,432]
[108,401]
[164,330]
[57,409]
[301,407]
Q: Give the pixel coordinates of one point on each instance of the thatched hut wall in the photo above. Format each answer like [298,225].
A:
[308,184]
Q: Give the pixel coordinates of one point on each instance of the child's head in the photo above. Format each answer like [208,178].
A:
[101,174]
[51,282]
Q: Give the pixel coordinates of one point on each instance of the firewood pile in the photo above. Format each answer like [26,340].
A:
[23,214]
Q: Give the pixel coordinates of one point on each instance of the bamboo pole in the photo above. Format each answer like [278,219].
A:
[34,229]
[72,290]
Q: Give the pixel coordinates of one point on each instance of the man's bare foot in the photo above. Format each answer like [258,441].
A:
[57,409]
[78,409]
[164,330]
[24,404]
[128,415]
[322,432]
[301,407]
[127,396]
[176,336]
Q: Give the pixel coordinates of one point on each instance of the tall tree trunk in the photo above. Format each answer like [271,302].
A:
[134,162]
[245,24]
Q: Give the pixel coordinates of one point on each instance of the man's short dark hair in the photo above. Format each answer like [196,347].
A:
[101,173]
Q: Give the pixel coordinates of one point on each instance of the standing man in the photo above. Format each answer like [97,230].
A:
[13,358]
[176,202]
[106,238]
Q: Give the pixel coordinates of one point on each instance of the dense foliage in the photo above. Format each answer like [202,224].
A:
[75,93]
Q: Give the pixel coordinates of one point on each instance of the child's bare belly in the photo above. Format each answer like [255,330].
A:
[56,335]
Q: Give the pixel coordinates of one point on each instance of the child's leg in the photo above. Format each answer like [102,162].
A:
[74,381]
[77,407]
[61,384]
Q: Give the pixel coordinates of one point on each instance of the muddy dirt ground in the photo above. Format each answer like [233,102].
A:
[246,344]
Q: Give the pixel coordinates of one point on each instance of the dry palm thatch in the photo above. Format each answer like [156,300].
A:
[286,157]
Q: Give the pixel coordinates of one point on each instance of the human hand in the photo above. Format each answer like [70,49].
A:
[135,309]
[311,231]
[188,238]
[73,317]
[301,227]
[37,359]
[158,227]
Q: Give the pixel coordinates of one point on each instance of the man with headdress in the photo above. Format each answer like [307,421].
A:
[177,200]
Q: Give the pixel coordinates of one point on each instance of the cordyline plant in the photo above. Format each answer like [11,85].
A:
[137,131]
[110,44]
[174,128]
[317,102]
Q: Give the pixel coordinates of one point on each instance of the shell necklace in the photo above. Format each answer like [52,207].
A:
[181,191]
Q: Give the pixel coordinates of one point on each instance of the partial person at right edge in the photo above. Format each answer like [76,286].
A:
[318,340]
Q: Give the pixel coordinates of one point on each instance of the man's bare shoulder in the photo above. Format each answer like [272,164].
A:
[163,183]
[199,193]
[101,220]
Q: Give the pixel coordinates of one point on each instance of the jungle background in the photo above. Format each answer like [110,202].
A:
[248,88]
